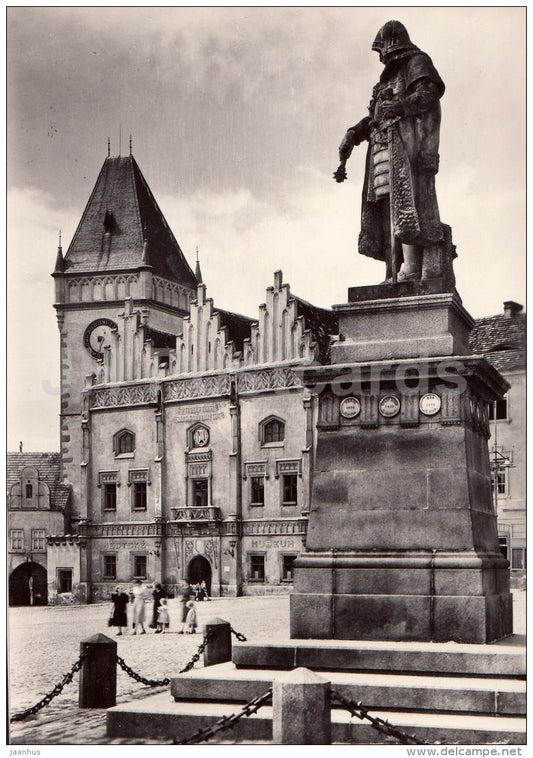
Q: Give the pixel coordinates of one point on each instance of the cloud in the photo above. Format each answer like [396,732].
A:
[32,335]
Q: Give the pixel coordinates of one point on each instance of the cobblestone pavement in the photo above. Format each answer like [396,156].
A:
[44,643]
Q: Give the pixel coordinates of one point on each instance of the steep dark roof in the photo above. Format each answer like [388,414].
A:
[502,339]
[48,466]
[322,323]
[161,339]
[238,327]
[122,203]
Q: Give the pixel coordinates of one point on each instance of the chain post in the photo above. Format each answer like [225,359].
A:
[98,678]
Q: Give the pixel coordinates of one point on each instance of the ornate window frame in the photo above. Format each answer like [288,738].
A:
[117,437]
[262,431]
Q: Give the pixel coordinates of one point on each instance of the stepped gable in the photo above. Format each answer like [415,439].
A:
[48,466]
[238,326]
[502,339]
[322,323]
[120,215]
[289,329]
[210,337]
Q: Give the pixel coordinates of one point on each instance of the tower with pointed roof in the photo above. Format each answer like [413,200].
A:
[124,272]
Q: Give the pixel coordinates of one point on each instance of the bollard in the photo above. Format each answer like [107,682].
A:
[301,711]
[98,675]
[218,648]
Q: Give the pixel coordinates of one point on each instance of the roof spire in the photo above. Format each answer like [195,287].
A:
[60,261]
[131,144]
[198,270]
[109,147]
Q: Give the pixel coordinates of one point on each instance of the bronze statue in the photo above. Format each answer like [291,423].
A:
[400,215]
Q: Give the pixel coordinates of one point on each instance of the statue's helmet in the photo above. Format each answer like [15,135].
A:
[392,38]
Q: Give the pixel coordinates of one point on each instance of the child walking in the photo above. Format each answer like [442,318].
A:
[163,619]
[191,622]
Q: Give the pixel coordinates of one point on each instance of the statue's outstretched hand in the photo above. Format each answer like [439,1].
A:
[340,174]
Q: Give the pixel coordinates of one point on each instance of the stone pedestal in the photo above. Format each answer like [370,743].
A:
[402,539]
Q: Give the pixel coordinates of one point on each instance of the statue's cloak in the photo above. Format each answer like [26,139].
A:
[413,143]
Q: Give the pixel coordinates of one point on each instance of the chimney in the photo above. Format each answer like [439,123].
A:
[512,309]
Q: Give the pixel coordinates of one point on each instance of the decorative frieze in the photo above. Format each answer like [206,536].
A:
[137,394]
[122,530]
[171,293]
[105,288]
[292,526]
[202,386]
[267,379]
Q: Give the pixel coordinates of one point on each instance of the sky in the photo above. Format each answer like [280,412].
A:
[236,115]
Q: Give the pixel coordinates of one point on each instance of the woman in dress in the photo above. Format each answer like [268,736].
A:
[139,596]
[119,616]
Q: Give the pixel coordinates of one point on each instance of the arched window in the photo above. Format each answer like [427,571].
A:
[124,442]
[271,430]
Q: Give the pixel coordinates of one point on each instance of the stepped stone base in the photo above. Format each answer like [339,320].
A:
[446,693]
[159,716]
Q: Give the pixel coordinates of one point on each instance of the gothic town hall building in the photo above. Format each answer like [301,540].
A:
[186,433]
[187,436]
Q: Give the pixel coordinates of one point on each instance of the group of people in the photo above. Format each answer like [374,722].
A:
[160,620]
[200,591]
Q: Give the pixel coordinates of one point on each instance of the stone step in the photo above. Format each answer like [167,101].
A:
[160,716]
[225,682]
[505,659]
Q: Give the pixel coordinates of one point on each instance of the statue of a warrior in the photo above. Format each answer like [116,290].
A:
[400,215]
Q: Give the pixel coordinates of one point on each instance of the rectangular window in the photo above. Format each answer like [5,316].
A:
[290,489]
[38,537]
[257,490]
[110,496]
[501,481]
[257,568]
[110,566]
[518,558]
[501,410]
[287,568]
[139,496]
[64,580]
[139,567]
[17,539]
[29,491]
[199,493]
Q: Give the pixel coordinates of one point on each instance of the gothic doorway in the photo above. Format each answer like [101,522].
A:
[28,585]
[200,571]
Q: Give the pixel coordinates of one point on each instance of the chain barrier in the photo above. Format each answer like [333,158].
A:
[239,635]
[138,678]
[226,722]
[381,725]
[57,690]
[164,682]
[124,666]
[196,656]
